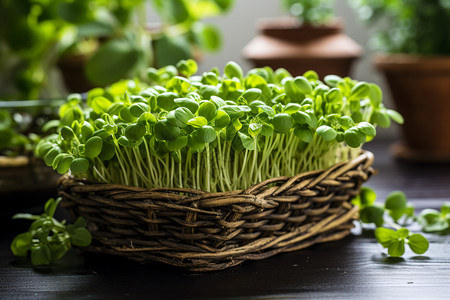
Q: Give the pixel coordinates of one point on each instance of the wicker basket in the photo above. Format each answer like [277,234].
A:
[204,231]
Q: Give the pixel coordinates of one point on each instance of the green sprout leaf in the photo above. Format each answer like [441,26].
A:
[81,237]
[354,138]
[360,90]
[100,104]
[395,116]
[134,132]
[396,204]
[190,104]
[385,236]
[381,118]
[167,100]
[67,133]
[21,244]
[366,128]
[332,80]
[396,248]
[371,214]
[206,134]
[137,109]
[303,85]
[178,143]
[79,166]
[301,117]
[207,110]
[282,123]
[198,121]
[93,147]
[232,69]
[40,255]
[252,94]
[247,141]
[326,132]
[187,67]
[418,243]
[165,131]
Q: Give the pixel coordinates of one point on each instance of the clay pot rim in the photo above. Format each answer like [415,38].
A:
[292,23]
[403,62]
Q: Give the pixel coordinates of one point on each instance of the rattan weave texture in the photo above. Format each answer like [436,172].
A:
[204,231]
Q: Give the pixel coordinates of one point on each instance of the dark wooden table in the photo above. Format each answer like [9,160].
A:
[354,268]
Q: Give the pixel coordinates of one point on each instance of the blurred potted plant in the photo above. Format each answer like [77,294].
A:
[311,39]
[30,40]
[414,39]
[24,178]
[108,44]
[95,42]
[112,45]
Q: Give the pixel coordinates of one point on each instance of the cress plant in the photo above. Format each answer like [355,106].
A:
[392,217]
[214,132]
[48,240]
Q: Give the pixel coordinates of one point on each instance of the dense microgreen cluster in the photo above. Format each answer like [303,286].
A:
[396,208]
[312,12]
[48,239]
[214,132]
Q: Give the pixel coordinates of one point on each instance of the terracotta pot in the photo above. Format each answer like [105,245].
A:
[73,74]
[420,87]
[284,43]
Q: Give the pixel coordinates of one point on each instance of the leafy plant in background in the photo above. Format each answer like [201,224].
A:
[29,44]
[314,12]
[48,240]
[10,139]
[408,26]
[182,33]
[23,124]
[112,34]
[214,132]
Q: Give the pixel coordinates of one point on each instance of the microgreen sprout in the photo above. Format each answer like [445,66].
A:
[213,132]
[395,209]
[435,221]
[48,239]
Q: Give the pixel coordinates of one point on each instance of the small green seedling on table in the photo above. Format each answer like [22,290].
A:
[395,240]
[435,221]
[395,209]
[48,240]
